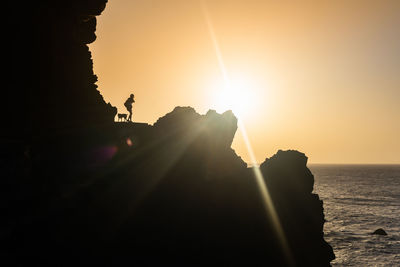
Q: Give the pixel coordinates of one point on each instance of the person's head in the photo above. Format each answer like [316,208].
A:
[132,96]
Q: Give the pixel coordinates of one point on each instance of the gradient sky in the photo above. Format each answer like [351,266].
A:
[323,76]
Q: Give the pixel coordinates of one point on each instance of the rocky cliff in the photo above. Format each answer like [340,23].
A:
[174,193]
[49,70]
[78,189]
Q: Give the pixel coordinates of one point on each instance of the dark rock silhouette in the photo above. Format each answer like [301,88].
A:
[379,231]
[49,66]
[78,189]
[291,183]
[175,194]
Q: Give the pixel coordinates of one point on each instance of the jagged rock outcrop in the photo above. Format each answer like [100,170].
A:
[175,194]
[52,108]
[290,184]
[221,127]
[52,85]
[211,134]
[203,199]
[75,192]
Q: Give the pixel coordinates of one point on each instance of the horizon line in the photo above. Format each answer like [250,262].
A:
[321,163]
[353,163]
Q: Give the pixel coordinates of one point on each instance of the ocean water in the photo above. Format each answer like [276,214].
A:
[358,199]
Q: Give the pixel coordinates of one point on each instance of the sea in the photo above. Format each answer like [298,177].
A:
[358,199]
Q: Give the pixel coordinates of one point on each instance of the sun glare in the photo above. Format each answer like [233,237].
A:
[237,96]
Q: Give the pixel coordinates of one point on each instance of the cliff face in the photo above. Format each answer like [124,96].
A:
[290,184]
[52,86]
[79,189]
[203,203]
[174,193]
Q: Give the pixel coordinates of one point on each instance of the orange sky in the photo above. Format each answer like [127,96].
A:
[324,76]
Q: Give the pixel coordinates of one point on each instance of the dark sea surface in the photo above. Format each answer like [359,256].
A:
[358,199]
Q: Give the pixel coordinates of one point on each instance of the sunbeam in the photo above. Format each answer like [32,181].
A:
[268,204]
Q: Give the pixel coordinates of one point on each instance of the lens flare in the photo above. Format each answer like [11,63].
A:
[268,204]
[129,141]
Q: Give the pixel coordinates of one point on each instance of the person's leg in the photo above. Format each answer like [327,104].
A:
[130,116]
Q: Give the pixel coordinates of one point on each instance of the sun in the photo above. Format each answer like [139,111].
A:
[238,96]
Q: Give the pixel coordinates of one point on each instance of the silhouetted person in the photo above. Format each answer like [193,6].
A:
[128,104]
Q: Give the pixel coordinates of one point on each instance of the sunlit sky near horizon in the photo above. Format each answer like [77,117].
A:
[322,77]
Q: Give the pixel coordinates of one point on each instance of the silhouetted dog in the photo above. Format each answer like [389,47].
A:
[122,116]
